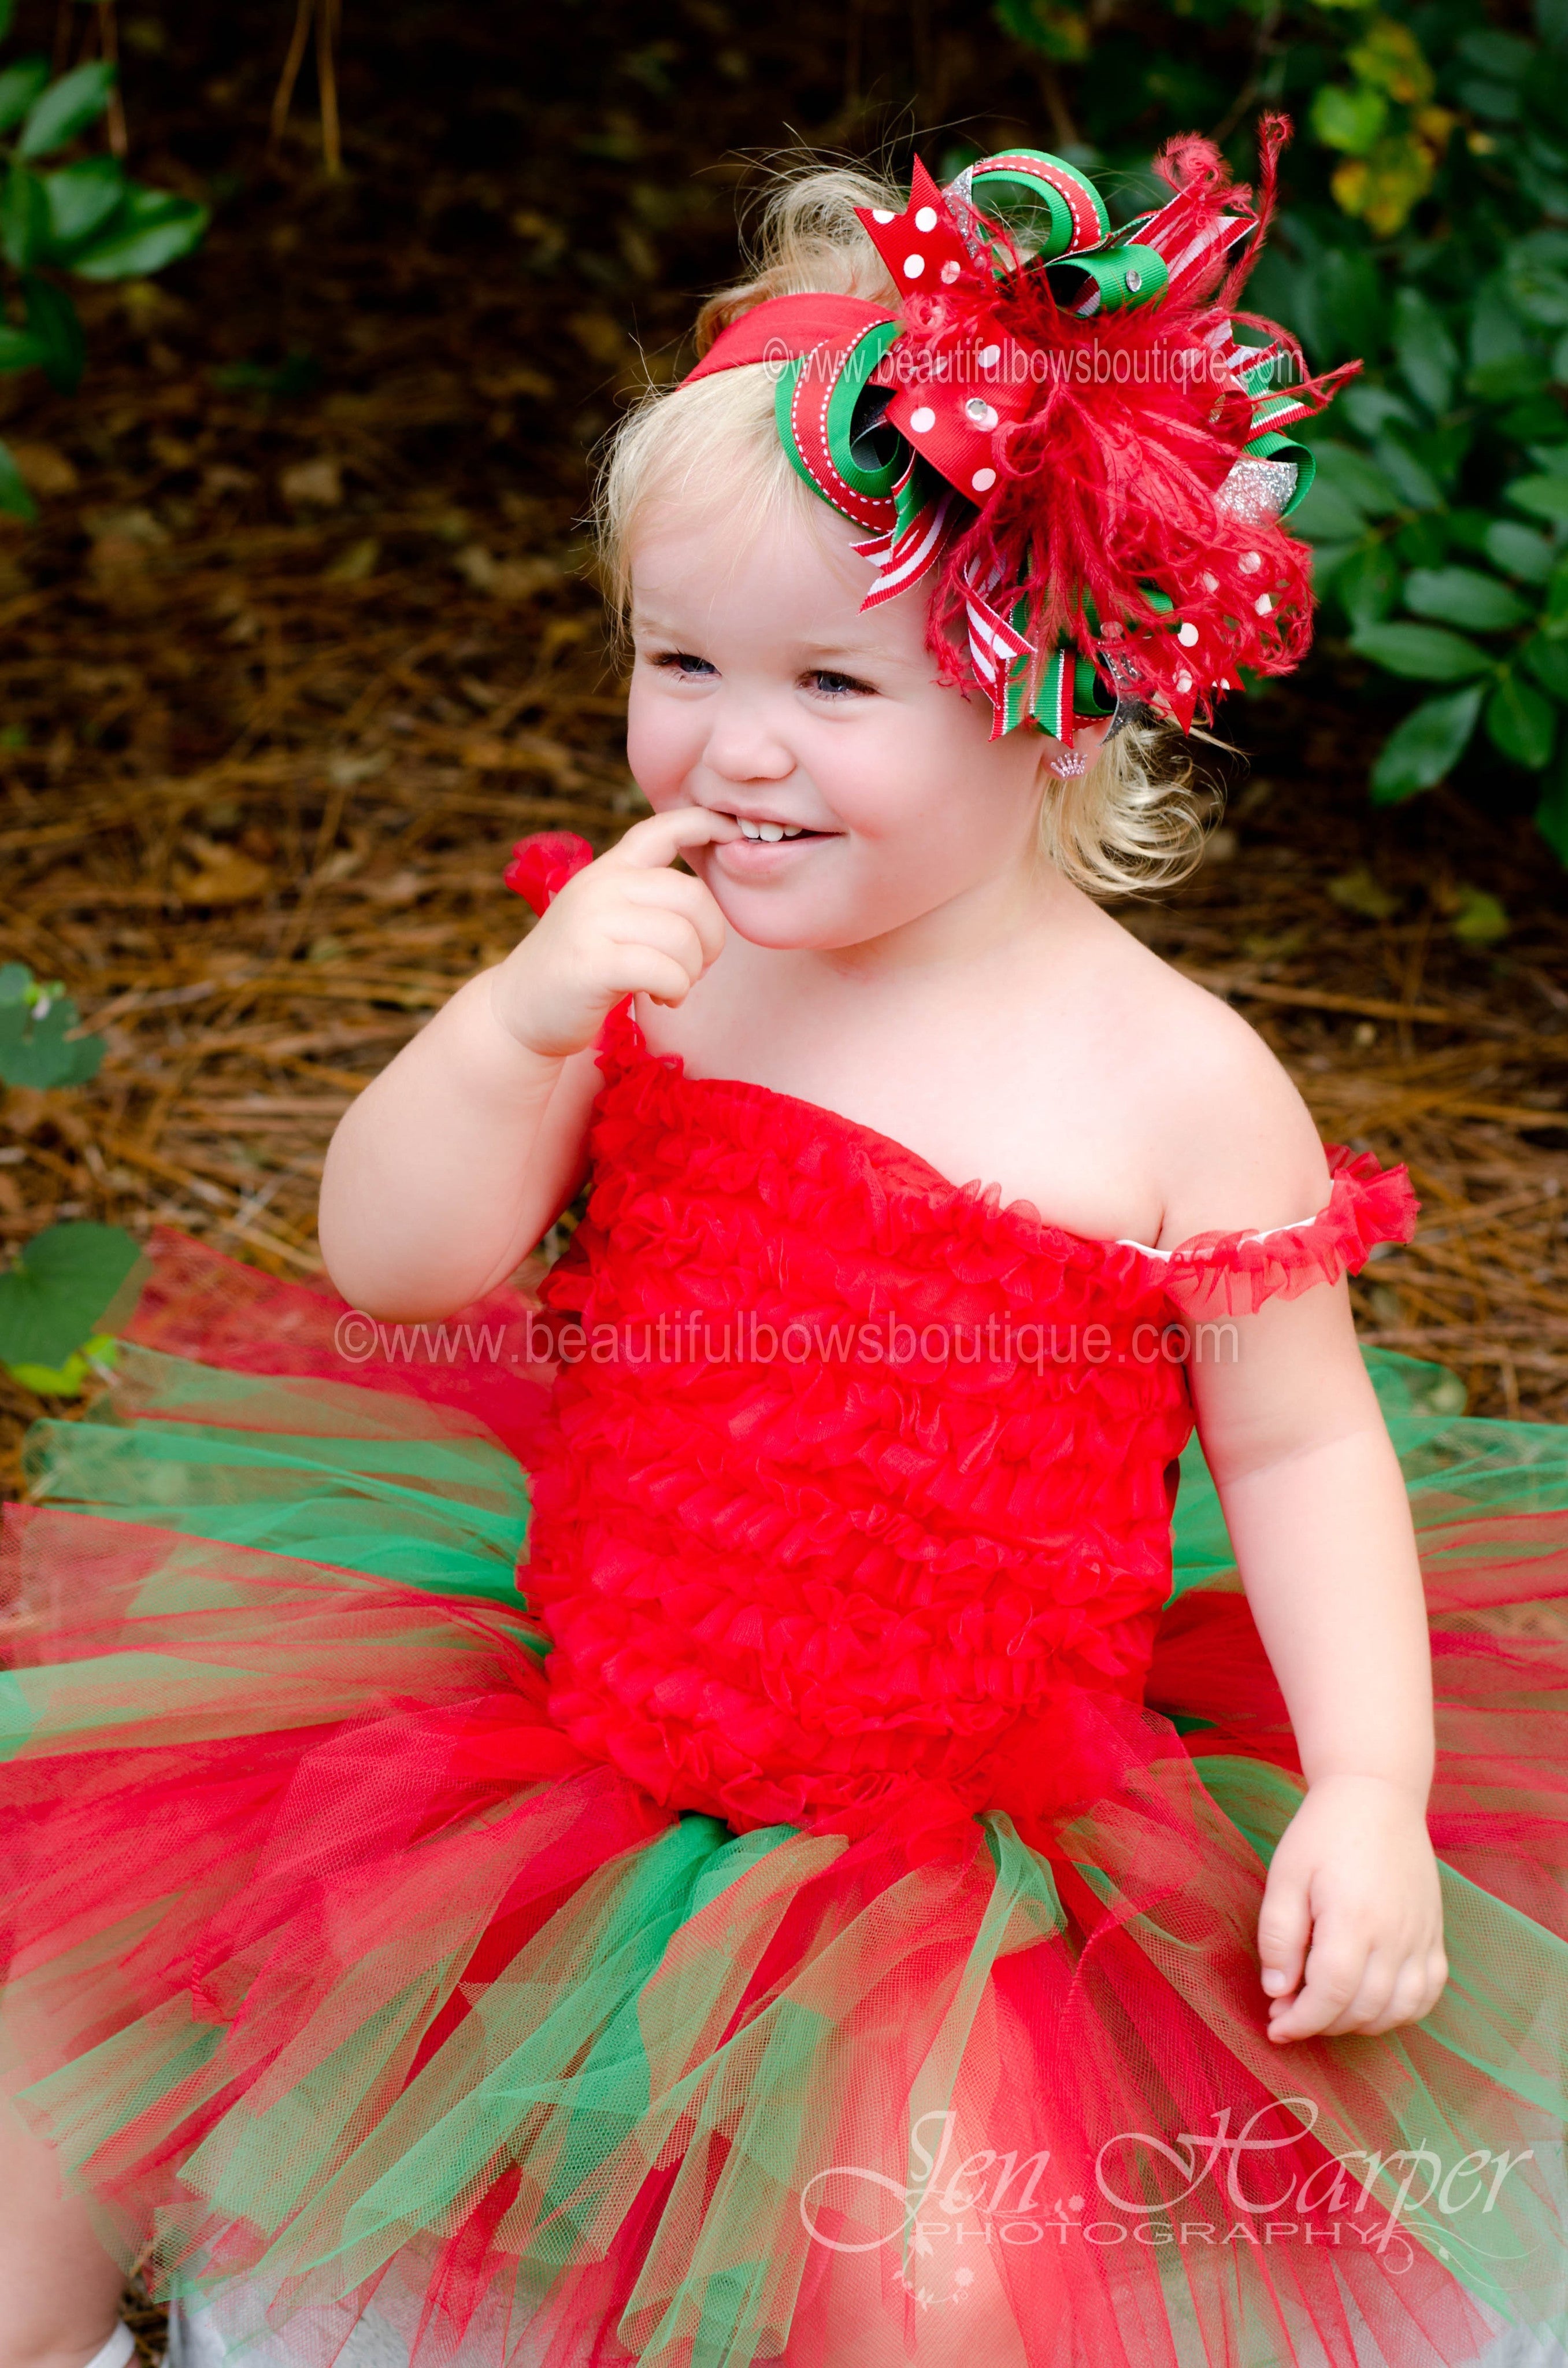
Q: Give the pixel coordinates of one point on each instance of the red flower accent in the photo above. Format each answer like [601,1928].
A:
[543,863]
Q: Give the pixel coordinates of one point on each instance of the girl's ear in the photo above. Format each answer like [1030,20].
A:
[1066,762]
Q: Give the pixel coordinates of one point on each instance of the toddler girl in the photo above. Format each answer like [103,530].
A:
[845,1908]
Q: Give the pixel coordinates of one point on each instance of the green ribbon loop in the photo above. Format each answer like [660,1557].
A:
[1125,275]
[1041,177]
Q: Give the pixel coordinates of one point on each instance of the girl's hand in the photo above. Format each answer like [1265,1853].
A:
[1351,1931]
[626,925]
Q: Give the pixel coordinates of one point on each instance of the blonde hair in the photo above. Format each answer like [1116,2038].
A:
[1135,820]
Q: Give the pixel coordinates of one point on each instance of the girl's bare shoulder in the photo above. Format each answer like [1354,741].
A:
[1230,1139]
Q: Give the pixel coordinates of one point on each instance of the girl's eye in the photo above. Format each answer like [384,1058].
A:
[682,663]
[835,686]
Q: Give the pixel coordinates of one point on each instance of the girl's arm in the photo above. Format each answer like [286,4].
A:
[1350,1933]
[451,1166]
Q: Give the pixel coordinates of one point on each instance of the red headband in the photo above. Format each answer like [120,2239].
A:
[781,328]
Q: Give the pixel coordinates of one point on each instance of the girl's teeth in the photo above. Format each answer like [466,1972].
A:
[768,830]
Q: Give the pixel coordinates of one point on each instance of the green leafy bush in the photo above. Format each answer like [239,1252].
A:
[87,220]
[1425,230]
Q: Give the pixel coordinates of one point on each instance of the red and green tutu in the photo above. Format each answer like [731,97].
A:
[371,1971]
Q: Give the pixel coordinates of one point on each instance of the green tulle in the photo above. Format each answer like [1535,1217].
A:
[406,1490]
[354,1478]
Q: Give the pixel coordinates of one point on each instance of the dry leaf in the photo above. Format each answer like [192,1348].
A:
[224,876]
[355,564]
[318,484]
[44,470]
[506,579]
[601,338]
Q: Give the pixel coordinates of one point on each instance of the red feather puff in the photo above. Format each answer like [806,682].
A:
[1108,485]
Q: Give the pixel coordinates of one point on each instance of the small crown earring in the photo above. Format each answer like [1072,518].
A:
[1069,764]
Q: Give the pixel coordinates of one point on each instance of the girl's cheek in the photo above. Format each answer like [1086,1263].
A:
[662,746]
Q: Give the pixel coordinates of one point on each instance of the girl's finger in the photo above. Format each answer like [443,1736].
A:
[1334,1971]
[1410,1996]
[678,892]
[669,933]
[643,970]
[651,844]
[1284,1926]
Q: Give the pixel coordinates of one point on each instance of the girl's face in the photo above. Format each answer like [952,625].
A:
[761,690]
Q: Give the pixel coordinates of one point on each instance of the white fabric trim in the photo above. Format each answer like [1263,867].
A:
[1261,1235]
[118,2351]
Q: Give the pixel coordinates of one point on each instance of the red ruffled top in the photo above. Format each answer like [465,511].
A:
[854,1499]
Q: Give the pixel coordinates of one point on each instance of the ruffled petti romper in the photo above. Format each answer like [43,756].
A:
[819,1904]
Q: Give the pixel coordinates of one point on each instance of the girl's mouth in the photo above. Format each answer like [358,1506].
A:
[763,848]
[767,832]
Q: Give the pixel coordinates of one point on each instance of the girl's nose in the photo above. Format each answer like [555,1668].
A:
[743,747]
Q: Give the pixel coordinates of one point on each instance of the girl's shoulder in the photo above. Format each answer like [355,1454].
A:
[1231,1138]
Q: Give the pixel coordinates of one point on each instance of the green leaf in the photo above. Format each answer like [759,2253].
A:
[19,85]
[1519,551]
[1521,722]
[1424,541]
[1344,307]
[15,500]
[34,1024]
[1369,408]
[52,322]
[1349,117]
[1350,472]
[24,218]
[1427,357]
[1325,515]
[1368,586]
[1543,496]
[1502,57]
[18,351]
[69,1380]
[1327,559]
[1362,892]
[1548,660]
[59,1289]
[1413,480]
[153,228]
[1463,595]
[1502,361]
[1423,653]
[1425,746]
[66,107]
[1478,919]
[1534,271]
[81,197]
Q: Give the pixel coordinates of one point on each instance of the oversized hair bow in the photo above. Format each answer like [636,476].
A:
[1072,436]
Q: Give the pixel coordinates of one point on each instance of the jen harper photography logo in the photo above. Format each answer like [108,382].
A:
[751,1339]
[1262,2183]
